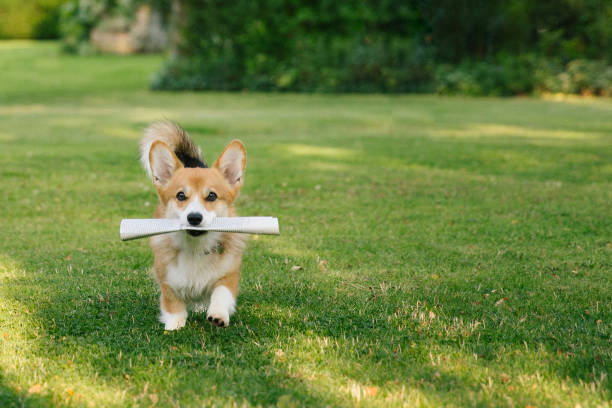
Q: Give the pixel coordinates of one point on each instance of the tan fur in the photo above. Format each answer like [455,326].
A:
[230,280]
[214,268]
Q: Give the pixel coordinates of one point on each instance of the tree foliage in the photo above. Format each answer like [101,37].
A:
[29,19]
[466,46]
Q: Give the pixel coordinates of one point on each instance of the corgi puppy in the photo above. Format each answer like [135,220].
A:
[198,270]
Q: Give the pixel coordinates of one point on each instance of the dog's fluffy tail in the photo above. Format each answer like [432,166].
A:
[177,139]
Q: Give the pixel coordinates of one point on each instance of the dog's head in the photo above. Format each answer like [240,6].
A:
[196,195]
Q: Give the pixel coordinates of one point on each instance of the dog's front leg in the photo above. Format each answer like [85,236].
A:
[223,300]
[173,309]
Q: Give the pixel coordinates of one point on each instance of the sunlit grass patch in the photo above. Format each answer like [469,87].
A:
[495,130]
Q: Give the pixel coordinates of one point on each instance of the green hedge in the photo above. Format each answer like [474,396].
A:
[525,74]
[29,19]
[298,45]
[474,47]
[317,65]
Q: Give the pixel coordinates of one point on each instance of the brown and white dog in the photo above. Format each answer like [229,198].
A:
[195,269]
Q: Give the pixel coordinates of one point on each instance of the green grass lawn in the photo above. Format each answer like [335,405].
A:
[452,251]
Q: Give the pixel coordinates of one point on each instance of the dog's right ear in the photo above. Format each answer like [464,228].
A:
[163,163]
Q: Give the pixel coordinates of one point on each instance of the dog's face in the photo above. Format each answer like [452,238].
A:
[197,195]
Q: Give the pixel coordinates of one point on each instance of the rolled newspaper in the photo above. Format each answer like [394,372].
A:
[142,228]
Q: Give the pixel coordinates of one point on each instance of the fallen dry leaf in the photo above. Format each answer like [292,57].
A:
[323,265]
[505,379]
[35,389]
[280,355]
[371,391]
[500,301]
[154,398]
[67,257]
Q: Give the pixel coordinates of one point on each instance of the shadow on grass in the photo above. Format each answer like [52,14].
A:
[109,331]
[12,398]
[356,337]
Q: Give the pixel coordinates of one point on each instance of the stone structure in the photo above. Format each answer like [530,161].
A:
[145,33]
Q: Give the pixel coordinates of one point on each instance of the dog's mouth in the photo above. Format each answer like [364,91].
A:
[195,233]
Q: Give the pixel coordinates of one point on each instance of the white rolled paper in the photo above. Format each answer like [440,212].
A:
[142,228]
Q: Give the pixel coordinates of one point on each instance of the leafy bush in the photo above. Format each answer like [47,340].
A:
[316,65]
[78,18]
[474,47]
[507,75]
[523,75]
[29,19]
[289,45]
[588,77]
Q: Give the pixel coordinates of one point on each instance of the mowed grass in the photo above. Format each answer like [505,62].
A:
[434,251]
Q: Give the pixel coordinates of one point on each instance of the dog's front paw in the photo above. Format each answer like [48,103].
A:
[218,317]
[173,321]
[222,305]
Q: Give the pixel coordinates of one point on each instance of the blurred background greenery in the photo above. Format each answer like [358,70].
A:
[37,19]
[472,47]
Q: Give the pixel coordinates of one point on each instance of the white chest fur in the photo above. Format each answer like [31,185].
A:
[194,271]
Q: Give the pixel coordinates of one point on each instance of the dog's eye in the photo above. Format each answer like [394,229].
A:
[212,196]
[181,196]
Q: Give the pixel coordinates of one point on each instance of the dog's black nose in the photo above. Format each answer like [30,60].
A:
[194,218]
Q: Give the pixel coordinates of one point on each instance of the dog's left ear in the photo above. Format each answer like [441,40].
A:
[231,163]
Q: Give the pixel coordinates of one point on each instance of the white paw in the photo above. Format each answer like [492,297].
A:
[219,316]
[173,321]
[222,305]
